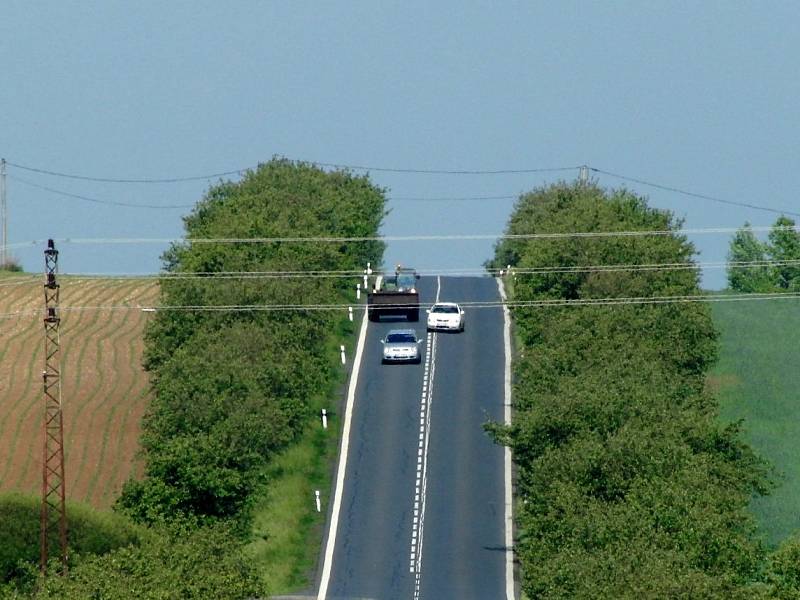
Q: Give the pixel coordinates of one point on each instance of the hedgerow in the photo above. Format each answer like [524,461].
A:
[627,483]
[232,388]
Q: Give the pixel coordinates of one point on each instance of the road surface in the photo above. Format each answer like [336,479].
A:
[422,506]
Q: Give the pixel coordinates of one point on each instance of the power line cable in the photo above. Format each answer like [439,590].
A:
[96,200]
[557,302]
[122,180]
[414,171]
[173,206]
[451,198]
[466,271]
[319,164]
[402,238]
[445,171]
[692,194]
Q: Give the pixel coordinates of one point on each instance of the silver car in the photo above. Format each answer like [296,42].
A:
[401,345]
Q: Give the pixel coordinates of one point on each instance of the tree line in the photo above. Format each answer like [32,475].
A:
[628,485]
[231,388]
[777,260]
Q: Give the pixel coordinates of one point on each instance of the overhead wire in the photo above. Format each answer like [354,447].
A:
[357,274]
[398,238]
[319,164]
[126,180]
[452,272]
[451,198]
[186,206]
[445,171]
[676,190]
[376,169]
[557,302]
[97,200]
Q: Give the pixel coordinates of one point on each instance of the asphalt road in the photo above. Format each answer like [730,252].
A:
[422,504]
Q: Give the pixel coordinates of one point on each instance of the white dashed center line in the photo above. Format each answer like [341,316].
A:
[420,485]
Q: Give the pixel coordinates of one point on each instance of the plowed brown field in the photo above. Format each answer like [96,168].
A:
[104,388]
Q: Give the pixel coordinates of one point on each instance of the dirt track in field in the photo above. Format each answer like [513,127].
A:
[104,388]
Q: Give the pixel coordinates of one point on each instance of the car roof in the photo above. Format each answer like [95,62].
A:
[446,304]
[402,331]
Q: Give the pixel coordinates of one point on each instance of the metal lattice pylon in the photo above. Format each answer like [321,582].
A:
[53,535]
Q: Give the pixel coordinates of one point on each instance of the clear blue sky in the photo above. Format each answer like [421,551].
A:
[701,96]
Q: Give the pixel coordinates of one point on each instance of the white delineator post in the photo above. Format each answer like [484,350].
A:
[350,312]
[324,419]
[365,281]
[317,500]
[358,291]
[341,348]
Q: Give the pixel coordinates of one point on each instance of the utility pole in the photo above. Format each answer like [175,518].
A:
[53,533]
[3,215]
[583,175]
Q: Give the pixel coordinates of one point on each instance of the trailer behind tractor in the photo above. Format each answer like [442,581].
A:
[395,296]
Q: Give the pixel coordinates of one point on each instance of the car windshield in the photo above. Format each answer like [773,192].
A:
[449,309]
[406,280]
[400,338]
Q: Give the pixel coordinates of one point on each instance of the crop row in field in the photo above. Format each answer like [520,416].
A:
[104,389]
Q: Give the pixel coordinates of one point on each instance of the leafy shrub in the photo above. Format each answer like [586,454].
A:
[232,388]
[11,265]
[180,564]
[628,485]
[89,532]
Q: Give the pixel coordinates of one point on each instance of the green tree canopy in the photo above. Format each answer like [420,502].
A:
[184,564]
[234,387]
[782,249]
[784,246]
[628,485]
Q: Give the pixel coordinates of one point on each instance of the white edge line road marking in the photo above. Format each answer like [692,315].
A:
[509,507]
[337,497]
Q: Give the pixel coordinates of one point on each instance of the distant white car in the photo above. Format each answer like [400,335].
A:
[401,345]
[445,316]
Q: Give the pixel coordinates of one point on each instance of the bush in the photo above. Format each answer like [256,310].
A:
[89,532]
[628,485]
[180,564]
[11,265]
[232,388]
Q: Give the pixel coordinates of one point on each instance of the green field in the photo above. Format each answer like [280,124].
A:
[758,380]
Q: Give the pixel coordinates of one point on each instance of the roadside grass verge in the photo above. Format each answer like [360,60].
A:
[287,530]
[757,379]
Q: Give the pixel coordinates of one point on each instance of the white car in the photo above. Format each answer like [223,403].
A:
[445,316]
[401,345]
